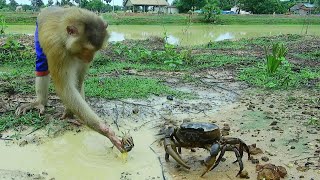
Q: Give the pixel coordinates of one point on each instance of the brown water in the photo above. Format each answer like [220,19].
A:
[192,35]
[85,155]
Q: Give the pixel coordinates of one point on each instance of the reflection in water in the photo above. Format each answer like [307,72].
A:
[173,40]
[225,36]
[116,36]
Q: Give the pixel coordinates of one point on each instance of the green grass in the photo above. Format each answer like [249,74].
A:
[313,55]
[127,87]
[284,78]
[9,120]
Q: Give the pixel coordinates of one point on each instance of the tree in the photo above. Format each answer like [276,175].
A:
[36,4]
[95,5]
[82,3]
[187,5]
[211,10]
[26,7]
[58,3]
[3,4]
[107,1]
[12,5]
[66,3]
[263,6]
[50,2]
[227,4]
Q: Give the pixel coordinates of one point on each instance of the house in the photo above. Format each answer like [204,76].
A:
[172,10]
[302,8]
[146,5]
[237,10]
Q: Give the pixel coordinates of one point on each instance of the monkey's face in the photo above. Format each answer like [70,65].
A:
[87,39]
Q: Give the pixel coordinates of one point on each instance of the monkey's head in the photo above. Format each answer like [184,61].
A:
[86,34]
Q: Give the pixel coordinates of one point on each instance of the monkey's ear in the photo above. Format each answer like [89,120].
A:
[72,30]
[105,24]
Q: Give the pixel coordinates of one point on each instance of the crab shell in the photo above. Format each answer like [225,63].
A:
[198,134]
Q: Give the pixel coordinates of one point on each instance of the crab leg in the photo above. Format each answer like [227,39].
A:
[242,145]
[215,163]
[171,150]
[236,151]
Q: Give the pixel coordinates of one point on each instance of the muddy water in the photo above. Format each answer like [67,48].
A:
[87,155]
[84,155]
[192,35]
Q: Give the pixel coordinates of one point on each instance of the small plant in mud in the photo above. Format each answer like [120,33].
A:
[171,57]
[313,122]
[274,60]
[2,24]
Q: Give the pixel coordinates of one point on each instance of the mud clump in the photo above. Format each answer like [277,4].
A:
[244,175]
[270,172]
[254,150]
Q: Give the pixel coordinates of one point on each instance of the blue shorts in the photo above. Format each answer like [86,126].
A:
[41,59]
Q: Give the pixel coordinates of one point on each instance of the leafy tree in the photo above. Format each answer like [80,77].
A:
[263,6]
[12,5]
[26,7]
[211,10]
[3,4]
[82,3]
[107,1]
[58,3]
[66,2]
[50,2]
[187,5]
[36,4]
[95,5]
[227,4]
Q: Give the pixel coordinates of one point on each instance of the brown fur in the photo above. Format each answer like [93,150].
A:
[70,37]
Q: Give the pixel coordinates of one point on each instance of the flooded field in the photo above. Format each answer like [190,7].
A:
[194,34]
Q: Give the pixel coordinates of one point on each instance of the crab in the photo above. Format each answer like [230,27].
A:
[202,135]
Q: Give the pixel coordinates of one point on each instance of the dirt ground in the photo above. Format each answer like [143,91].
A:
[254,116]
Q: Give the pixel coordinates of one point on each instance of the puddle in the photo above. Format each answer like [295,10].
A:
[84,155]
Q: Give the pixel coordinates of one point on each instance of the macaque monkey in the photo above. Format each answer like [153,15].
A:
[66,40]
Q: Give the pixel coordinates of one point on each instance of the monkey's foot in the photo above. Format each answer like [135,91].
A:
[26,107]
[69,117]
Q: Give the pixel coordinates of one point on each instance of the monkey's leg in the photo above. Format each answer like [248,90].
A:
[42,88]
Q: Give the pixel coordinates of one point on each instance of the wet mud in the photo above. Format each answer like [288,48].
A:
[277,122]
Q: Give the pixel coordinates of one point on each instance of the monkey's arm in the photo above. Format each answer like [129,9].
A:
[42,87]
[72,99]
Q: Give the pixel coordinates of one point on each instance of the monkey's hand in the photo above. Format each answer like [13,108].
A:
[127,142]
[26,107]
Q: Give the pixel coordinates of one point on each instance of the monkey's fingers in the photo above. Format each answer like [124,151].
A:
[127,143]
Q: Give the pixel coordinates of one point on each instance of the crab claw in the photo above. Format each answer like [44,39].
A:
[171,150]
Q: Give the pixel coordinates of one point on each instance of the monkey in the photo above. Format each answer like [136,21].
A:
[66,40]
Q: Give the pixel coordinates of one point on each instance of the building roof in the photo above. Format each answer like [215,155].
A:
[300,6]
[146,2]
[308,5]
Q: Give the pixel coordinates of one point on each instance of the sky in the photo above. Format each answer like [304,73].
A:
[116,2]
